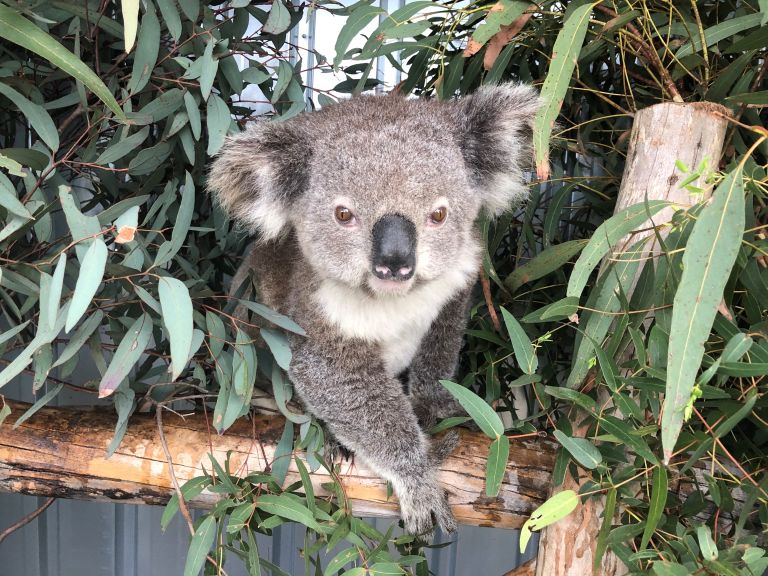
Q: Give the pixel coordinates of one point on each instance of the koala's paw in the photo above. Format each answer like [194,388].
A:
[427,508]
[335,452]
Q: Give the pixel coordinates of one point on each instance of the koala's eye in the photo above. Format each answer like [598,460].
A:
[344,215]
[438,215]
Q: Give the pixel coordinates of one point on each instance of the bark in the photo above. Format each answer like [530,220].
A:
[61,452]
[661,135]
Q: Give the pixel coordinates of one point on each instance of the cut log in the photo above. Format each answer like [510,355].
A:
[661,136]
[61,452]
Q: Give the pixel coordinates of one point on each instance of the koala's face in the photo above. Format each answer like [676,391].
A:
[382,193]
[388,203]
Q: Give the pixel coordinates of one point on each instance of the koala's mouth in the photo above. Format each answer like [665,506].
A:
[390,287]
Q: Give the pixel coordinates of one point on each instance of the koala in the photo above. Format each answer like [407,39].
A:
[365,214]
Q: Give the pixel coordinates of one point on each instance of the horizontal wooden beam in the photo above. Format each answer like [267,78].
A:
[61,452]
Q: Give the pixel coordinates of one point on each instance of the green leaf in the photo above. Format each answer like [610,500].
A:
[549,260]
[386,569]
[521,344]
[306,483]
[200,546]
[358,19]
[285,507]
[483,415]
[564,55]
[278,345]
[240,516]
[130,11]
[128,352]
[124,405]
[621,430]
[283,453]
[217,120]
[9,199]
[706,544]
[279,19]
[163,106]
[44,400]
[210,66]
[170,17]
[559,310]
[496,467]
[582,450]
[510,11]
[750,98]
[119,149]
[554,509]
[169,249]
[38,118]
[659,487]
[709,257]
[606,236]
[282,392]
[149,159]
[243,365]
[729,27]
[5,411]
[88,281]
[341,559]
[54,296]
[176,306]
[661,568]
[146,51]
[19,30]
[275,317]
[189,490]
[193,112]
[284,77]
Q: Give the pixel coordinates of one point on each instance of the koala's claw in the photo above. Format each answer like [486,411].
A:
[336,452]
[426,511]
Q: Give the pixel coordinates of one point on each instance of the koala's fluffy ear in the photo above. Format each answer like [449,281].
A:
[258,173]
[496,139]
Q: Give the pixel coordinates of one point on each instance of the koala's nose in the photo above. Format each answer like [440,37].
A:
[394,248]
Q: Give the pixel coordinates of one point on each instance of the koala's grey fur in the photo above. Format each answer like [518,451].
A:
[377,156]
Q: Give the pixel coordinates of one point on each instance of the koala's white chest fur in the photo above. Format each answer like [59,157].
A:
[397,323]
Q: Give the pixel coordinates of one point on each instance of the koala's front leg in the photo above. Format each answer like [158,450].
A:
[367,411]
[437,359]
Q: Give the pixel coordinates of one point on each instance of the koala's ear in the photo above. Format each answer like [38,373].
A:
[259,173]
[496,139]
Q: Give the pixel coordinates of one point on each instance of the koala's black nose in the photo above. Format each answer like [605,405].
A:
[394,248]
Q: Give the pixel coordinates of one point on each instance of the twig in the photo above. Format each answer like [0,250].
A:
[27,519]
[644,50]
[489,300]
[182,504]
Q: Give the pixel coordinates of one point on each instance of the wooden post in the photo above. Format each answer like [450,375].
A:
[61,452]
[661,135]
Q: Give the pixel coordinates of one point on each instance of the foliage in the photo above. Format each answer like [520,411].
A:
[109,242]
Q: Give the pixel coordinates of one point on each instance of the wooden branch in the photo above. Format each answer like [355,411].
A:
[61,452]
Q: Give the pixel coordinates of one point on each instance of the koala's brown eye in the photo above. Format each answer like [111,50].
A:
[344,214]
[438,215]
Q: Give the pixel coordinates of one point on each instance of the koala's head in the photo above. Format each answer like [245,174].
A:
[382,192]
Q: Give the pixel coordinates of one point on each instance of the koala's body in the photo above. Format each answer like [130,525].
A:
[366,214]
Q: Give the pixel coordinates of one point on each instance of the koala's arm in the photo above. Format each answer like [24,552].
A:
[344,383]
[437,359]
